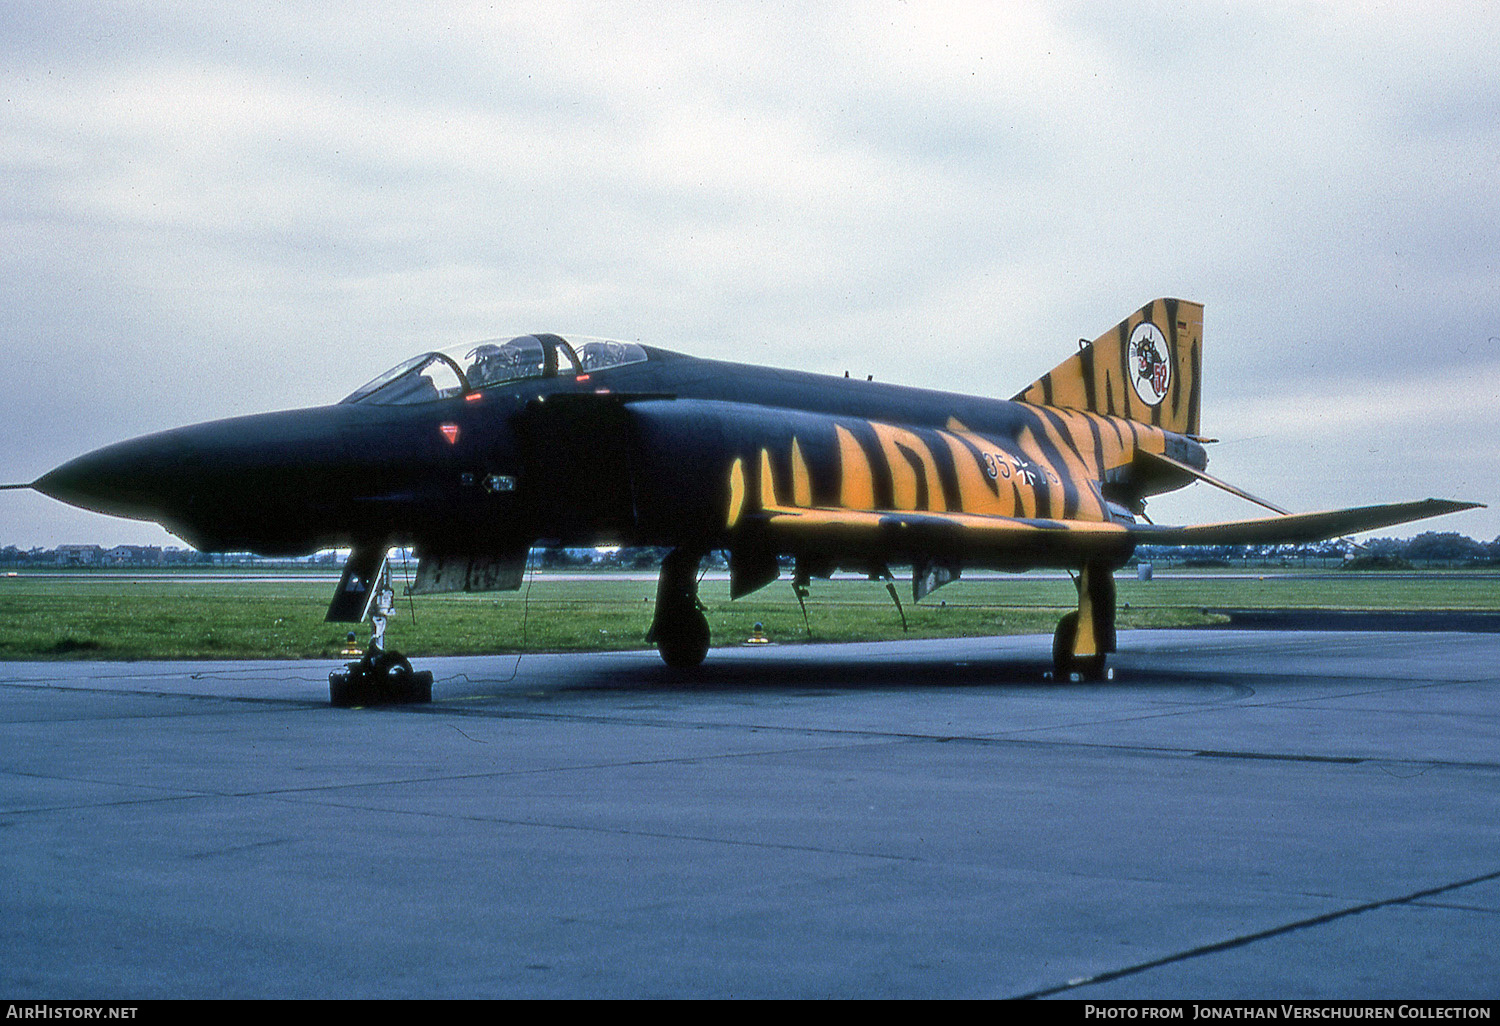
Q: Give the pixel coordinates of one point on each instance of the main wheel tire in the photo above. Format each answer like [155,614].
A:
[1091,668]
[683,639]
[1064,662]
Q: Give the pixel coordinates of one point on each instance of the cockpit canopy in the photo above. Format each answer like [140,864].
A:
[468,368]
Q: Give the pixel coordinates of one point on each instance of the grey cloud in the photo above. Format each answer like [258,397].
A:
[208,211]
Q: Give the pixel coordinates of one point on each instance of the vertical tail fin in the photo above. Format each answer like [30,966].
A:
[1147,369]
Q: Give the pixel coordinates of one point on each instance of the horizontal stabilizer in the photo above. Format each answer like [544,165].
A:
[1299,527]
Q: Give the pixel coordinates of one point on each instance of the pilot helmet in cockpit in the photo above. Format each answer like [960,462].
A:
[490,363]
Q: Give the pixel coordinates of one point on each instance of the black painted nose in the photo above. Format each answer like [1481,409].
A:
[261,481]
[133,479]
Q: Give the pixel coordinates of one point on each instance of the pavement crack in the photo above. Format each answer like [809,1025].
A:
[1415,898]
[619,831]
[238,848]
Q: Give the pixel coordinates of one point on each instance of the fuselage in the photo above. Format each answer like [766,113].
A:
[641,453]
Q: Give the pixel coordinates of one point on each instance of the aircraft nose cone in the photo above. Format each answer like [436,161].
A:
[121,480]
[266,482]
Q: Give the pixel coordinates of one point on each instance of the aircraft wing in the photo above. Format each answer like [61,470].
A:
[889,534]
[1032,542]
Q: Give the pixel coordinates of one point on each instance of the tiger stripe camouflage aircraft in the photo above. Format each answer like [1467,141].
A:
[477,455]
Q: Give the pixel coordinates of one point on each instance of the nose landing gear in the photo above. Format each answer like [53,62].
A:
[379,677]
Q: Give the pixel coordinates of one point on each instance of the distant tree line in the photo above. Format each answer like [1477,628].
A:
[138,556]
[1431,548]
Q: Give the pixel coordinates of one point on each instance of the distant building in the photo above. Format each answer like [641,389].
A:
[78,555]
[132,555]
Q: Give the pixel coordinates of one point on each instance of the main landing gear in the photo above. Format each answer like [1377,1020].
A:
[679,629]
[1084,638]
[379,677]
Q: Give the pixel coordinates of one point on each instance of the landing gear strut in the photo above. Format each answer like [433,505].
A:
[1084,638]
[379,677]
[679,630]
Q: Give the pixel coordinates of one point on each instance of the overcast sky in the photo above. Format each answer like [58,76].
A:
[218,209]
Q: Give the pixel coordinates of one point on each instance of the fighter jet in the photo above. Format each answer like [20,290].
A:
[474,456]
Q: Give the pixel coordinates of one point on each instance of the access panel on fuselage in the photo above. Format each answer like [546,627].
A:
[576,469]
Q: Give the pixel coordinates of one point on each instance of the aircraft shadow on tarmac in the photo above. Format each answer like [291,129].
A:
[823,675]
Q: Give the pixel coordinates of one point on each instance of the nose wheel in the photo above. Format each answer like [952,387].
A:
[379,678]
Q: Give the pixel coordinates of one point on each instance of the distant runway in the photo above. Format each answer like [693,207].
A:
[1238,814]
[284,576]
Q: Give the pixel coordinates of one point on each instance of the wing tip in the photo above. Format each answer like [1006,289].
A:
[1442,506]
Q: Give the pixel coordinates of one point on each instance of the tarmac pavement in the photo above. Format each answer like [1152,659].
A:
[1238,814]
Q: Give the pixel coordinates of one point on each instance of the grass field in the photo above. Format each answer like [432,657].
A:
[84,618]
